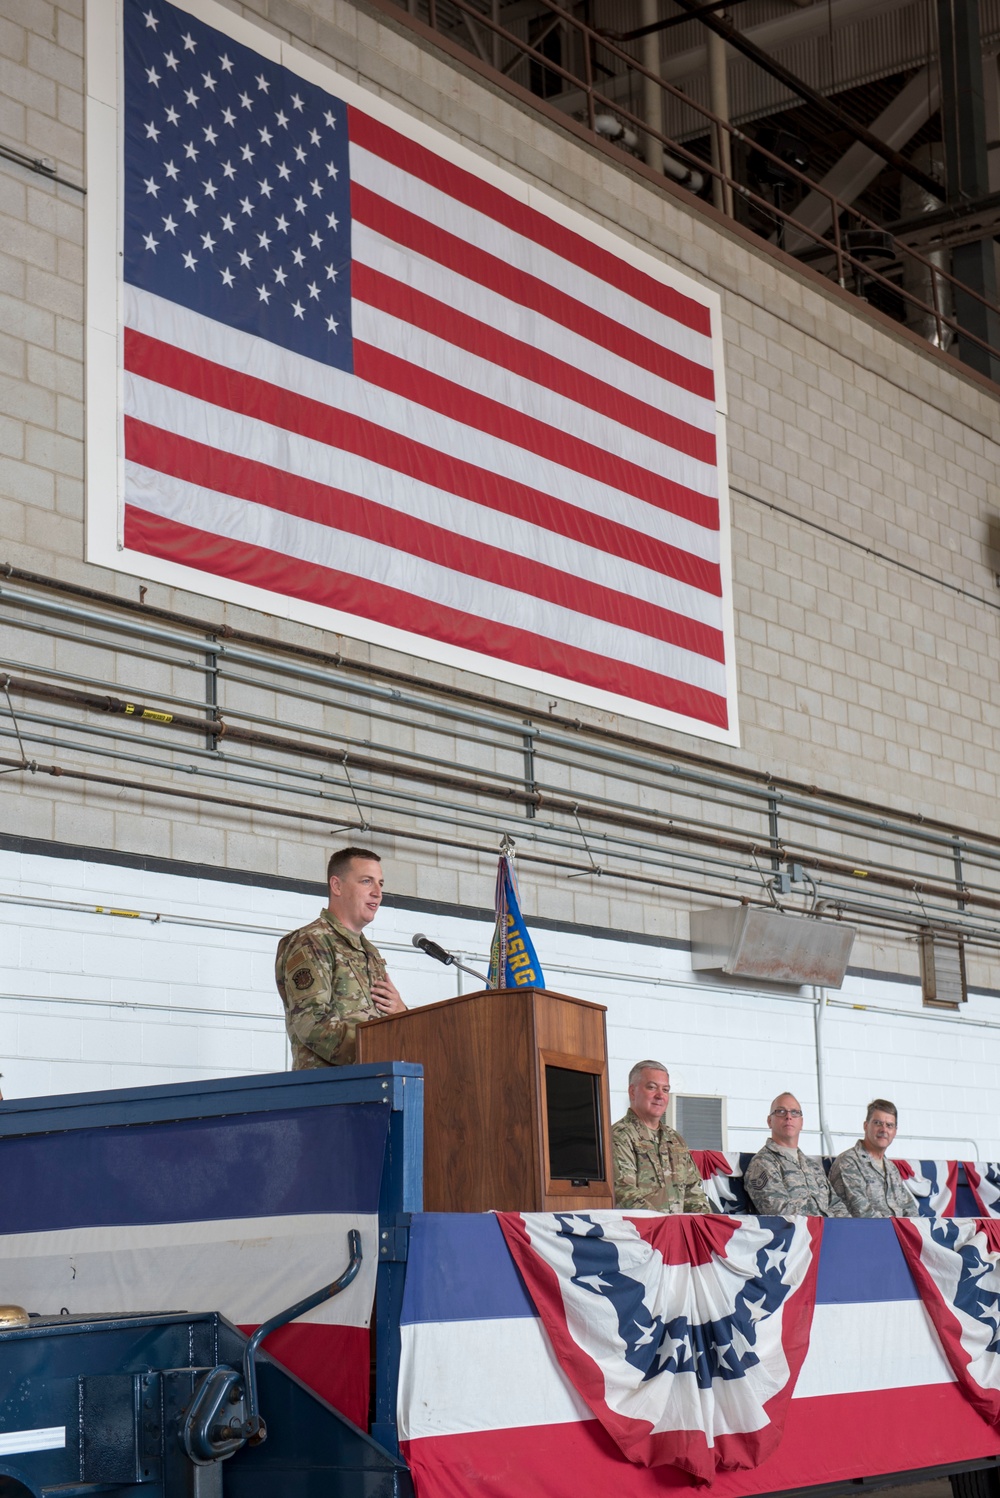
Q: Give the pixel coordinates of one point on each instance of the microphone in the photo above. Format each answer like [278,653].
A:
[433,950]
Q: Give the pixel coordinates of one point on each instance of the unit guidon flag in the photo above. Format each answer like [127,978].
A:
[403,394]
[683,1335]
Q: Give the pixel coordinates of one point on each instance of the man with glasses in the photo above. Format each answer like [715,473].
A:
[863,1178]
[783,1182]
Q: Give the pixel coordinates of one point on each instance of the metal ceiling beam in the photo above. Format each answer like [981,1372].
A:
[963,120]
[951,226]
[811,20]
[858,167]
[814,20]
[963,113]
[668,23]
[741,43]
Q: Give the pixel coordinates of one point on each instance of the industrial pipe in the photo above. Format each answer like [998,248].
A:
[673,827]
[698,768]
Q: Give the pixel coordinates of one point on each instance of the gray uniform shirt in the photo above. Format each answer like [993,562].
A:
[784,1182]
[870,1188]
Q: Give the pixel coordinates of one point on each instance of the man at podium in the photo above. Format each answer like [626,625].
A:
[652,1165]
[331,977]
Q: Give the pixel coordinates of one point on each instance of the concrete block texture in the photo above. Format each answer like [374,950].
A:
[862,482]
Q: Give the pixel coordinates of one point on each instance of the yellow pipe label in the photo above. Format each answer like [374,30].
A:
[148,713]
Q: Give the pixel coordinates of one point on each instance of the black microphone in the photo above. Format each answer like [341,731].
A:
[433,950]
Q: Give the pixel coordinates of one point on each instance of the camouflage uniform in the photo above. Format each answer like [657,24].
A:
[869,1188]
[653,1168]
[784,1182]
[324,975]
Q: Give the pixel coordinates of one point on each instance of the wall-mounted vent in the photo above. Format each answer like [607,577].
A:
[699,1118]
[942,970]
[746,941]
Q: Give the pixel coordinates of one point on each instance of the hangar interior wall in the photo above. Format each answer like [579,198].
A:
[864,533]
[184,988]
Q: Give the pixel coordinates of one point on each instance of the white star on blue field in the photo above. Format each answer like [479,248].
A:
[237,185]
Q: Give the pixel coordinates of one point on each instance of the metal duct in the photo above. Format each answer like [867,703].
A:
[768,945]
[919,280]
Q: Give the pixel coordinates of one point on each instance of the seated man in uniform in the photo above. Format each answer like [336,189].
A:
[652,1165]
[862,1177]
[783,1182]
[329,976]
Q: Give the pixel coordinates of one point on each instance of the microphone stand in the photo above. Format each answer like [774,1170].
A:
[423,944]
[471,971]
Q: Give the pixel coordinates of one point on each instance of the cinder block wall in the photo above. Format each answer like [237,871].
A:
[862,470]
[862,481]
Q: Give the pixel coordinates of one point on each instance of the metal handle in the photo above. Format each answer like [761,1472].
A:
[255,1429]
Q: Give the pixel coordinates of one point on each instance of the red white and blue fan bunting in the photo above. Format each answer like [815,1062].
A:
[933,1183]
[984,1183]
[722,1180]
[956,1265]
[684,1335]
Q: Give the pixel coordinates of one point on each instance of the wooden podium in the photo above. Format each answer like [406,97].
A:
[516,1111]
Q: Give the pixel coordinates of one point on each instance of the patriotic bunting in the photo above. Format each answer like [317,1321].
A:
[934,1184]
[722,1179]
[984,1183]
[956,1265]
[683,1335]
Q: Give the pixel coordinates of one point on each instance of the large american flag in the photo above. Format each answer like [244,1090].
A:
[359,374]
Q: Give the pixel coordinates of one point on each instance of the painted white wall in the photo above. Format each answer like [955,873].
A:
[91,1001]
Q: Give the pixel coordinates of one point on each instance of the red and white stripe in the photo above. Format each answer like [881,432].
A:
[985,1193]
[485,1407]
[247,1268]
[523,463]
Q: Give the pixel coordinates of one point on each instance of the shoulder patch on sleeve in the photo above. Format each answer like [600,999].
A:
[302,977]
